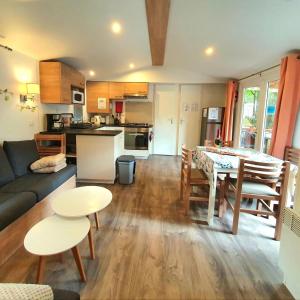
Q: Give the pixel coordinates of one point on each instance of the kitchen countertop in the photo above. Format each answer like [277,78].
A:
[91,131]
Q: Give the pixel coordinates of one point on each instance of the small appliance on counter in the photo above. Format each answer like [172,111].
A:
[54,123]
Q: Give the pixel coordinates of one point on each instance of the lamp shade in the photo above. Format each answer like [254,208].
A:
[32,88]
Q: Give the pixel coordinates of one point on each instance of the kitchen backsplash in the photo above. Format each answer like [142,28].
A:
[139,112]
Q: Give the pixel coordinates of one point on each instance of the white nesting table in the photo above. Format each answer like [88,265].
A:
[81,202]
[55,235]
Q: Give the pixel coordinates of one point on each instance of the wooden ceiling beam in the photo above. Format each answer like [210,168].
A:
[157,17]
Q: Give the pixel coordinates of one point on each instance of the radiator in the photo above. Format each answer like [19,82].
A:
[289,258]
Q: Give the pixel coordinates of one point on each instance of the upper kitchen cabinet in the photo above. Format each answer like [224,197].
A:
[97,93]
[135,88]
[56,82]
[116,90]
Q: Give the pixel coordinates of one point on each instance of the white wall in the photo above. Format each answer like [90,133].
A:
[16,68]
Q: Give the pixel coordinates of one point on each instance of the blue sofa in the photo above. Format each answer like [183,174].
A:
[20,189]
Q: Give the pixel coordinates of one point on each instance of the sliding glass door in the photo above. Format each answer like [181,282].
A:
[256,110]
[272,95]
[248,131]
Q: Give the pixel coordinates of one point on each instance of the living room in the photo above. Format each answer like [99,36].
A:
[149,149]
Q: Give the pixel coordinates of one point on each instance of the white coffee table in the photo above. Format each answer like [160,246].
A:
[82,201]
[55,235]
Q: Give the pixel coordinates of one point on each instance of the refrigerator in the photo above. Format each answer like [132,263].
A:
[211,123]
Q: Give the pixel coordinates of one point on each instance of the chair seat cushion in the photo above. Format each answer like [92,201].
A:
[256,188]
[40,184]
[14,205]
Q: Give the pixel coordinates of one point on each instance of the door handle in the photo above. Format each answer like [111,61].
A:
[171,120]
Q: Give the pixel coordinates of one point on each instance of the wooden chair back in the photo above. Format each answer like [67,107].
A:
[292,155]
[228,143]
[50,144]
[186,160]
[269,173]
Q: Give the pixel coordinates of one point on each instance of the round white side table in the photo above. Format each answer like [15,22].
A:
[55,235]
[82,201]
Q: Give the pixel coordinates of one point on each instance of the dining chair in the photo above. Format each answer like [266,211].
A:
[191,177]
[292,155]
[258,180]
[228,144]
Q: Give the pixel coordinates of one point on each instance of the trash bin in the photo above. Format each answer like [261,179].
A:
[126,169]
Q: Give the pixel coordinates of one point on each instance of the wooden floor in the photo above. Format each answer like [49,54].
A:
[146,249]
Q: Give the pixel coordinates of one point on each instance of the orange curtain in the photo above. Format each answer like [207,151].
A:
[287,105]
[227,128]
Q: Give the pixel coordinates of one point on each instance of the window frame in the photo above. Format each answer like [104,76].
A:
[262,81]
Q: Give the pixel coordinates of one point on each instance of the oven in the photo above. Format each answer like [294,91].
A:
[136,138]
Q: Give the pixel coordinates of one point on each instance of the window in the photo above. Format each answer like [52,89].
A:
[249,117]
[256,111]
[272,95]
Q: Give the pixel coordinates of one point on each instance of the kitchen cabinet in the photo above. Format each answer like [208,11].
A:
[97,93]
[116,90]
[140,88]
[56,80]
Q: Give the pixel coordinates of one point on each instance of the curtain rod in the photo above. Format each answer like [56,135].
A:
[257,73]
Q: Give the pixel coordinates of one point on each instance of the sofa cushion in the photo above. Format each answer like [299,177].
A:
[6,172]
[21,155]
[40,184]
[14,205]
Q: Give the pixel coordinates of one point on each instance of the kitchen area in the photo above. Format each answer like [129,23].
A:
[104,119]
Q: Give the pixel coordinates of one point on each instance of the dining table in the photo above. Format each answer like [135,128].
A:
[225,160]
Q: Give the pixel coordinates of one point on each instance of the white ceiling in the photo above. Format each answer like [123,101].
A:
[249,35]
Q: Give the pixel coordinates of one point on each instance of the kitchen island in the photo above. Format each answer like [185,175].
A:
[97,152]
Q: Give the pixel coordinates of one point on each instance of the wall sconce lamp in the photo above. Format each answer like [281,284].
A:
[27,97]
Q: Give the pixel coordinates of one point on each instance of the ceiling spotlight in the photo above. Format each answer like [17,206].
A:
[116,27]
[131,66]
[209,51]
[92,73]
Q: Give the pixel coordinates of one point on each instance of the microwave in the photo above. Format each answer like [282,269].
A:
[77,97]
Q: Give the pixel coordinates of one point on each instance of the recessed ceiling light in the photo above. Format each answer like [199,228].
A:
[116,27]
[209,51]
[92,73]
[131,66]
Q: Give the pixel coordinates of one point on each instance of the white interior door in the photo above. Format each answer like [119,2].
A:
[190,116]
[166,119]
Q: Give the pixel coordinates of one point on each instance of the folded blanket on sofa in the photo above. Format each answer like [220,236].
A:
[12,291]
[51,169]
[48,161]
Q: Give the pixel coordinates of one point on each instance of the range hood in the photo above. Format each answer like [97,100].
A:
[141,97]
[135,96]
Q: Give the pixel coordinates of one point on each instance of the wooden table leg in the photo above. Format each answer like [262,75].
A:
[97,220]
[41,268]
[91,243]
[78,261]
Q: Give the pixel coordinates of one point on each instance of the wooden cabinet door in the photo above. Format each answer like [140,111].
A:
[66,93]
[116,90]
[95,90]
[50,82]
[77,79]
[140,88]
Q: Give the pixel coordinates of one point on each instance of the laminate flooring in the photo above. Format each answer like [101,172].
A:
[147,249]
